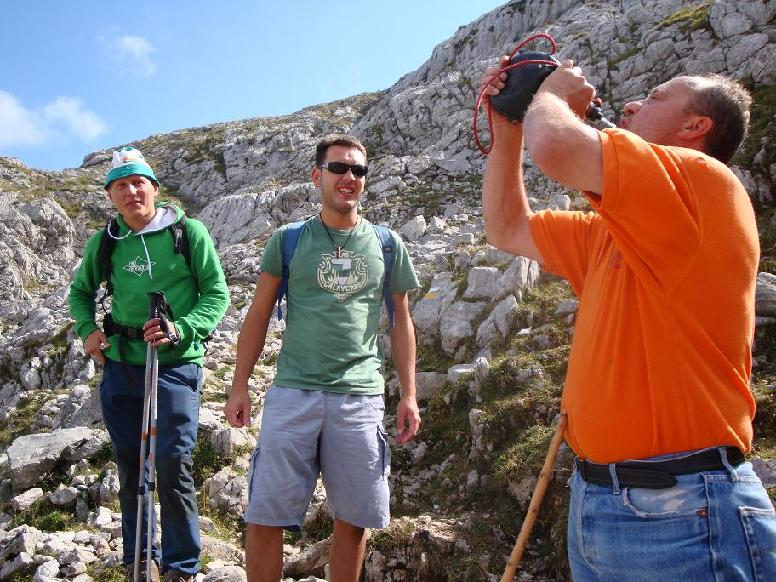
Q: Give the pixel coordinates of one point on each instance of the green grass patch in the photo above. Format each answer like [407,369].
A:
[292,537]
[319,528]
[228,527]
[102,458]
[766,226]
[19,422]
[102,573]
[208,462]
[221,372]
[432,359]
[45,516]
[541,300]
[446,423]
[764,390]
[761,125]
[399,533]
[623,56]
[526,455]
[689,18]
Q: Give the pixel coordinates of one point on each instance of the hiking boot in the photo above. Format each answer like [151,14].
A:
[177,576]
[154,572]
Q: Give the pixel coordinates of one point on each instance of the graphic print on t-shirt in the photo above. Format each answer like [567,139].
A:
[343,275]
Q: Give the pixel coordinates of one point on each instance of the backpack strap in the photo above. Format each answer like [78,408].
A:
[104,252]
[389,254]
[288,241]
[180,239]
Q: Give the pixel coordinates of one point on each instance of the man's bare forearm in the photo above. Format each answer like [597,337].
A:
[504,201]
[403,347]
[253,332]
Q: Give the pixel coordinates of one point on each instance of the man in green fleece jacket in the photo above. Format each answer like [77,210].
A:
[144,259]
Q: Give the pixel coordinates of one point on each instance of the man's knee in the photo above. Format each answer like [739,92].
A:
[263,534]
[265,541]
[343,529]
[176,487]
[128,465]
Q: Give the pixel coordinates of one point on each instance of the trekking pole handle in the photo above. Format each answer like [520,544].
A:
[157,305]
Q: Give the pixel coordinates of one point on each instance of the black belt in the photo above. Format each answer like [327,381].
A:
[113,328]
[657,474]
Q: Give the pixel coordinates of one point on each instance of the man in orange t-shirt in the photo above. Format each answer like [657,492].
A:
[657,390]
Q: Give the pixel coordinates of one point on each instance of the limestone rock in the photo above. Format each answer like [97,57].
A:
[765,295]
[33,455]
[24,501]
[309,562]
[427,384]
[226,574]
[457,324]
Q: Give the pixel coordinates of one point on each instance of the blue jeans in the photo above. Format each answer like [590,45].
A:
[121,395]
[713,525]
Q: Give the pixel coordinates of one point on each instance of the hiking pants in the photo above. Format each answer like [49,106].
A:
[121,395]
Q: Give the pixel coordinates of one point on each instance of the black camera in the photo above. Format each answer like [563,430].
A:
[522,83]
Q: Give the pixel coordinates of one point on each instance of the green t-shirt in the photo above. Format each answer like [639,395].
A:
[333,312]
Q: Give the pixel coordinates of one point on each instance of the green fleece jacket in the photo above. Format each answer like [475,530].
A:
[147,262]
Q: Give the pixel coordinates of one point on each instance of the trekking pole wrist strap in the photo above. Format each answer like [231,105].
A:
[170,331]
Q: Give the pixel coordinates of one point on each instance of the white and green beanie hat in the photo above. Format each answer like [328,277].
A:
[128,161]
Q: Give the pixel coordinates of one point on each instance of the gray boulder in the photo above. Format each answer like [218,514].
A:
[765,294]
[32,456]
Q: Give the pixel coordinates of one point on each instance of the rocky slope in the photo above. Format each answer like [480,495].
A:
[493,331]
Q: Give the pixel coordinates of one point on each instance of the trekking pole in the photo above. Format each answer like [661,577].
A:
[536,500]
[157,304]
[141,487]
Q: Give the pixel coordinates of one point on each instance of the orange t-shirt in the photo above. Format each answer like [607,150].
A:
[665,271]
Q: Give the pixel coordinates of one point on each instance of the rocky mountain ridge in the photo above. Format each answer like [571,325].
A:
[493,331]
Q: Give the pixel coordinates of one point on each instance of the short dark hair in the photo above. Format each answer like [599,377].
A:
[727,103]
[336,139]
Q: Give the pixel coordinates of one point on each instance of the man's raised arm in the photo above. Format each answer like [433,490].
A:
[561,144]
[504,202]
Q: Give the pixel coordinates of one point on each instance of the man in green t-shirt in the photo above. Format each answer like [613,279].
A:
[324,412]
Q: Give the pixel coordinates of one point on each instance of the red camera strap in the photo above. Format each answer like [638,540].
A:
[507,67]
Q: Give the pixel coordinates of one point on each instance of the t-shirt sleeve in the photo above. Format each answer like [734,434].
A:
[403,277]
[565,240]
[649,206]
[272,260]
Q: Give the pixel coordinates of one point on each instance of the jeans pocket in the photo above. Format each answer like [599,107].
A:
[677,501]
[760,532]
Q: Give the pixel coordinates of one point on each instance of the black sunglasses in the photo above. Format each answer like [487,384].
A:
[358,170]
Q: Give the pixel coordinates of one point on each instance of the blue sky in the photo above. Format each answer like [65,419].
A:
[85,75]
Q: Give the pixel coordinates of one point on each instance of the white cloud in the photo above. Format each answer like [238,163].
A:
[133,54]
[70,112]
[65,116]
[18,125]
